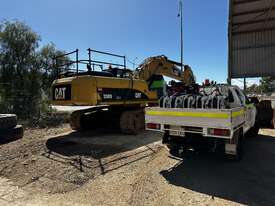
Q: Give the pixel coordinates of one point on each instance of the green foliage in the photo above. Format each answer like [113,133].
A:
[253,89]
[47,117]
[26,72]
[19,73]
[47,64]
[266,86]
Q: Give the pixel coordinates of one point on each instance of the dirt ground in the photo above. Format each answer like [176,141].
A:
[60,167]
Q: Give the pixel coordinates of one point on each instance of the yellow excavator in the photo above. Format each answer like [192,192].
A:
[114,96]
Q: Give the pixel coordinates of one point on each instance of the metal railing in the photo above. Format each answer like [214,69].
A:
[64,63]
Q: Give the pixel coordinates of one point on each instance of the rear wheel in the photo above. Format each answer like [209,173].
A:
[175,148]
[253,131]
[174,151]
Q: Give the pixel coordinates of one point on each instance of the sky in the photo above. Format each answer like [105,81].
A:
[135,28]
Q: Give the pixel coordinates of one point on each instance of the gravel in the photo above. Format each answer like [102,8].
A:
[59,167]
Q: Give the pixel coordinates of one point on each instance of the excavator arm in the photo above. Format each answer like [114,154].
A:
[161,65]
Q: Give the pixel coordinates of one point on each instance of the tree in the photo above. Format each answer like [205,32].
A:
[267,84]
[18,66]
[253,89]
[25,70]
[47,64]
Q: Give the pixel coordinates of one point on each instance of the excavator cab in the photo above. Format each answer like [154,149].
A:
[118,72]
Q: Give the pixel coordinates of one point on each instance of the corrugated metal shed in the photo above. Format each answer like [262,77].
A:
[251,38]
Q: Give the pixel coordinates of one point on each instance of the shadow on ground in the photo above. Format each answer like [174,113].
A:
[105,149]
[66,162]
[4,141]
[250,181]
[98,144]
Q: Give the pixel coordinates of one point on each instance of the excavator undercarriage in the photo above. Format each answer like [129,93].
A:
[128,120]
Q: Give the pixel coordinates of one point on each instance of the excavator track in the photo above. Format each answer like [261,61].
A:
[132,122]
[86,118]
[75,120]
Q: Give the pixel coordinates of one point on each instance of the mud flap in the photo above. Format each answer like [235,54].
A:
[234,147]
[230,149]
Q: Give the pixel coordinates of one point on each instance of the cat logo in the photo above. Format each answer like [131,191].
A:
[60,93]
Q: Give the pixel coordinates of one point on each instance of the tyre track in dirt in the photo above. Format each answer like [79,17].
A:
[144,188]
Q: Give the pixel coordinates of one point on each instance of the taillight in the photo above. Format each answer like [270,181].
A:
[219,132]
[153,126]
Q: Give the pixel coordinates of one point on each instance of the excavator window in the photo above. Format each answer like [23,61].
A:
[113,71]
[157,83]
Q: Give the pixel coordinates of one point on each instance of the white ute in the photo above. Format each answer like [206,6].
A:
[222,128]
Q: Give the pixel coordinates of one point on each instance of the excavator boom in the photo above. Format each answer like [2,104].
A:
[161,65]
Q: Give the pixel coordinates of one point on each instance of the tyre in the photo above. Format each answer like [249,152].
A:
[75,122]
[253,132]
[11,134]
[264,114]
[180,152]
[8,121]
[174,150]
[239,154]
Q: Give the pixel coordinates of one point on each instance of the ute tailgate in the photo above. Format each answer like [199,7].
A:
[205,118]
